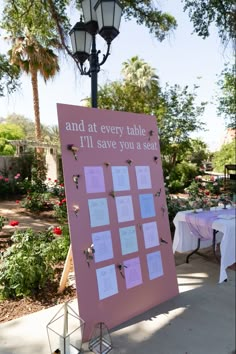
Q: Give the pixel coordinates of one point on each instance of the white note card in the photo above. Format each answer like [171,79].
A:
[107,282]
[128,240]
[98,211]
[150,234]
[154,262]
[143,177]
[120,177]
[102,244]
[124,208]
[94,179]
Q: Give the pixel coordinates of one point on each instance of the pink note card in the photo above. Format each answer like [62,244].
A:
[94,179]
[133,275]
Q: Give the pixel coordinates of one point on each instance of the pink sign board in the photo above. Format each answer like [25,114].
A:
[113,173]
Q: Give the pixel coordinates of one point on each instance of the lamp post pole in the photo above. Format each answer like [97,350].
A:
[101,17]
[94,68]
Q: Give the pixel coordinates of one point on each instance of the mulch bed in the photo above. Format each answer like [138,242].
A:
[47,297]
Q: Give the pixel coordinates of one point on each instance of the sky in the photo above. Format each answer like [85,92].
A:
[183,58]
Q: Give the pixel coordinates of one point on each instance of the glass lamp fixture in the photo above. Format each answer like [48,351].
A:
[108,17]
[65,331]
[100,17]
[100,342]
[90,16]
[81,42]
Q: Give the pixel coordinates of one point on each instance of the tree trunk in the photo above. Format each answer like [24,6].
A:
[173,159]
[34,82]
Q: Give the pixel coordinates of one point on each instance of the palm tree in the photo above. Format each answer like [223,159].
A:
[51,135]
[33,58]
[138,72]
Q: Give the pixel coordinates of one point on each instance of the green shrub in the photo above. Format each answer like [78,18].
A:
[181,176]
[36,201]
[174,205]
[2,221]
[226,155]
[10,186]
[60,211]
[28,264]
[60,246]
[56,188]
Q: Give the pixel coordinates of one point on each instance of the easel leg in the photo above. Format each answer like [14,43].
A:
[66,271]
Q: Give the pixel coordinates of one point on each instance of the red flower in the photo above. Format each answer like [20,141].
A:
[207,192]
[17,201]
[55,181]
[57,231]
[14,223]
[61,185]
[63,200]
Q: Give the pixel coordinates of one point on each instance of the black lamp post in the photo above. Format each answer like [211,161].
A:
[101,17]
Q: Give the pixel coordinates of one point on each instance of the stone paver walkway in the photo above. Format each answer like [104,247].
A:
[12,211]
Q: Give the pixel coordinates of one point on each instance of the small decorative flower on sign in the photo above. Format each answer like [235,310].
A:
[157,194]
[76,209]
[74,149]
[107,164]
[76,180]
[164,241]
[151,133]
[121,267]
[129,162]
[112,194]
[89,252]
[155,158]
[163,209]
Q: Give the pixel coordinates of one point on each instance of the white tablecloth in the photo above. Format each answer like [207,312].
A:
[185,241]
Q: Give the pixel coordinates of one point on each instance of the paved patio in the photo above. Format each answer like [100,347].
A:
[201,320]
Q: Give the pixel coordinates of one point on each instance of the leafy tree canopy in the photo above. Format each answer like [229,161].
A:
[145,12]
[222,13]
[25,124]
[227,96]
[178,117]
[6,149]
[197,152]
[50,134]
[226,155]
[34,39]
[175,107]
[24,16]
[35,13]
[9,75]
[11,131]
